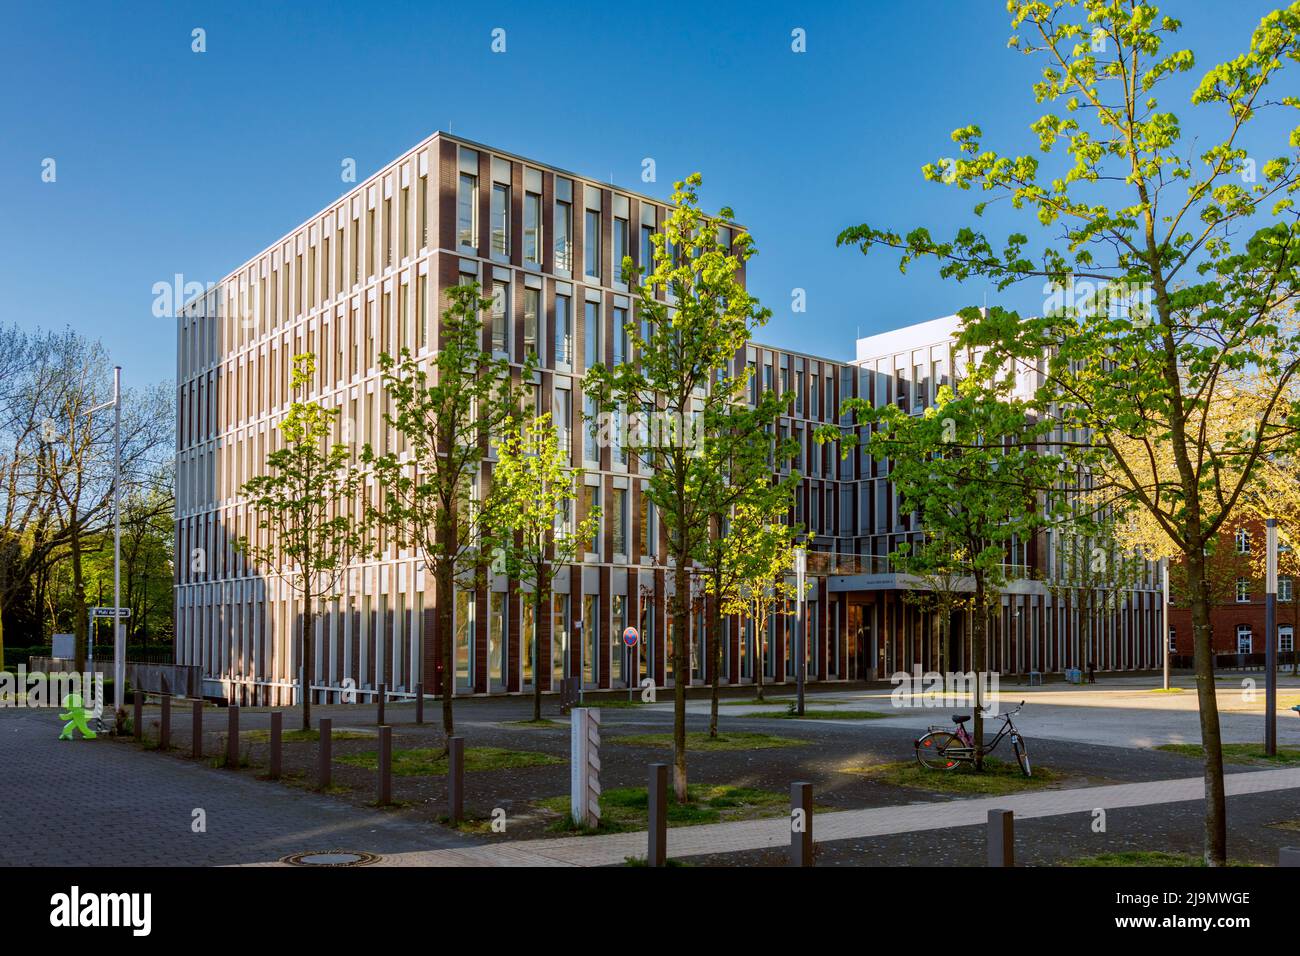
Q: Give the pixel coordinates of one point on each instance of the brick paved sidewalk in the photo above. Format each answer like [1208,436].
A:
[721,838]
[99,803]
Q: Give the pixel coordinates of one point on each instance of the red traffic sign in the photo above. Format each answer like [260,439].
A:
[630,637]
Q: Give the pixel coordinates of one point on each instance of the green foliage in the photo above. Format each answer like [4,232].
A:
[307,509]
[1169,272]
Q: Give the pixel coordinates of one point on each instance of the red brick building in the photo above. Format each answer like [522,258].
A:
[1237,592]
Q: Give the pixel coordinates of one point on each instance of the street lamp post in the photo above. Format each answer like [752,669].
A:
[1270,639]
[1164,615]
[119,643]
[801,664]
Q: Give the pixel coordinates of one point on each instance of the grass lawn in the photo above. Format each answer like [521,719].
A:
[1146,858]
[534,724]
[628,808]
[1240,753]
[998,777]
[431,760]
[738,740]
[306,736]
[1137,858]
[778,702]
[810,714]
[1161,690]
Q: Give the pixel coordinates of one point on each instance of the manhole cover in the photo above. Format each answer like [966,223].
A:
[331,858]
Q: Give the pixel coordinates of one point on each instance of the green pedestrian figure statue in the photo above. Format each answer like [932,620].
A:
[75,717]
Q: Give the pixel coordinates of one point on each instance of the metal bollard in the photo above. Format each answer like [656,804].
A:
[137,717]
[385,795]
[801,824]
[419,703]
[165,723]
[196,745]
[326,741]
[383,694]
[657,792]
[456,778]
[232,737]
[1002,838]
[277,723]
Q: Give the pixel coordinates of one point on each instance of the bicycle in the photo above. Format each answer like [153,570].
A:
[942,749]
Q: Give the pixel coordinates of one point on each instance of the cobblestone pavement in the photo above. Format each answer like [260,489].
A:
[99,803]
[726,838]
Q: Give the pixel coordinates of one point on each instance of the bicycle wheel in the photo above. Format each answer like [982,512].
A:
[930,750]
[1022,755]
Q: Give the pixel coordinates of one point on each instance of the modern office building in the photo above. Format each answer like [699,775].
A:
[365,276]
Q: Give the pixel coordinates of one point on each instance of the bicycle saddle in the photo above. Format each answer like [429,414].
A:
[960,718]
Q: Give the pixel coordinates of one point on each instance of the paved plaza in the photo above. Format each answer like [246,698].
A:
[102,802]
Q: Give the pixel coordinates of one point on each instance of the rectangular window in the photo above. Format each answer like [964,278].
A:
[591,502]
[500,219]
[388,233]
[500,317]
[1243,541]
[422,312]
[621,346]
[647,526]
[1243,590]
[1284,589]
[618,514]
[591,640]
[422,213]
[563,330]
[563,236]
[533,228]
[591,244]
[529,636]
[404,224]
[620,247]
[563,418]
[532,300]
[647,251]
[1245,639]
[594,354]
[590,429]
[466,209]
[559,637]
[1286,638]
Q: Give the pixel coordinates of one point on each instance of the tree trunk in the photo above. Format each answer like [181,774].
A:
[446,641]
[978,639]
[537,652]
[308,653]
[759,634]
[1216,810]
[715,652]
[681,669]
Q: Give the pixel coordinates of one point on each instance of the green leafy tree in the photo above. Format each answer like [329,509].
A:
[695,318]
[309,512]
[1200,241]
[448,409]
[739,487]
[970,468]
[758,554]
[534,532]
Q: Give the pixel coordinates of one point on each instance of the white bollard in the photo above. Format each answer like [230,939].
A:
[584,766]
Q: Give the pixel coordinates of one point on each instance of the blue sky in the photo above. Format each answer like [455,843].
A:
[172,162]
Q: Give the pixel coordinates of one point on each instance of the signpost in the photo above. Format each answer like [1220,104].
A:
[630,640]
[1270,640]
[117,614]
[801,665]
